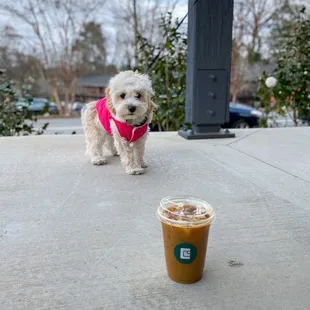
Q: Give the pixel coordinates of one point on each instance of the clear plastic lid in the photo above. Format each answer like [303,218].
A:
[185,211]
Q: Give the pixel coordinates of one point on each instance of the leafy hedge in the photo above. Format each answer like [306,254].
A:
[168,74]
[16,120]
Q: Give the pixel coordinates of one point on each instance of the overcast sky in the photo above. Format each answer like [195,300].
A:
[109,30]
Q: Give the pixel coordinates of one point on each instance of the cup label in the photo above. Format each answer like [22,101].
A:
[185,253]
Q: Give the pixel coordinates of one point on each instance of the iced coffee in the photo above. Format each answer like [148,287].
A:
[185,223]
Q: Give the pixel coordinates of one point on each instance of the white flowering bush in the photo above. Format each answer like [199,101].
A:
[271,82]
[289,86]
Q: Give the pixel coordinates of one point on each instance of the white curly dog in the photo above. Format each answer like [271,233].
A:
[119,121]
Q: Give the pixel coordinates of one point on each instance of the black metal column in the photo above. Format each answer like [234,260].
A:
[208,68]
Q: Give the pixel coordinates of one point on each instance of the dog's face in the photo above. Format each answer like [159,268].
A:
[129,97]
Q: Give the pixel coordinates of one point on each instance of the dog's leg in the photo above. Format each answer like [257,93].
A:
[109,143]
[139,148]
[94,148]
[94,134]
[126,152]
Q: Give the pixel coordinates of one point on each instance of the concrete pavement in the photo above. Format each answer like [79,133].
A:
[76,236]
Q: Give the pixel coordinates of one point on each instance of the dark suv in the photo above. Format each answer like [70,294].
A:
[242,116]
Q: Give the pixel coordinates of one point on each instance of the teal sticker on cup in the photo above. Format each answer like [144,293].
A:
[185,253]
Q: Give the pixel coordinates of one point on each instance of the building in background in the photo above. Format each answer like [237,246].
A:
[92,87]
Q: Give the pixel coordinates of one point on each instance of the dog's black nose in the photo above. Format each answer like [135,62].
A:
[131,108]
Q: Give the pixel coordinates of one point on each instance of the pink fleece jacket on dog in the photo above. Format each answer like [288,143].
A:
[126,131]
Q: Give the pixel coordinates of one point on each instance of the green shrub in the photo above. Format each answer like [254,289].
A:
[16,120]
[292,90]
[168,74]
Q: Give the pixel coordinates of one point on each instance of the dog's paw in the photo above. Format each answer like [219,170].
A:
[98,160]
[135,171]
[144,164]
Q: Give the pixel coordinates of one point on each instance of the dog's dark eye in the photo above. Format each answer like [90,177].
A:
[123,95]
[138,96]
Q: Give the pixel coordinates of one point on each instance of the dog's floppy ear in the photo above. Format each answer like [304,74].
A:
[109,100]
[151,108]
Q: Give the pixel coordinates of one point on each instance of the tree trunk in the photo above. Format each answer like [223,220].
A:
[234,95]
[67,101]
[57,100]
[295,116]
[73,93]
[135,20]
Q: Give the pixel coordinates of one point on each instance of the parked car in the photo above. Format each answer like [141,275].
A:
[53,108]
[38,105]
[305,120]
[242,116]
[305,115]
[77,107]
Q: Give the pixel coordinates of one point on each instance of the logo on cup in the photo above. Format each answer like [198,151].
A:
[185,253]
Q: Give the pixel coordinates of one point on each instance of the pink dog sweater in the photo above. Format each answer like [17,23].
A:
[129,132]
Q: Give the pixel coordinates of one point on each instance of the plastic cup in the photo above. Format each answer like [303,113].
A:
[185,222]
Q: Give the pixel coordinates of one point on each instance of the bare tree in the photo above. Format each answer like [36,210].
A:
[55,25]
[252,19]
[133,18]
[260,14]
[135,29]
[239,56]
